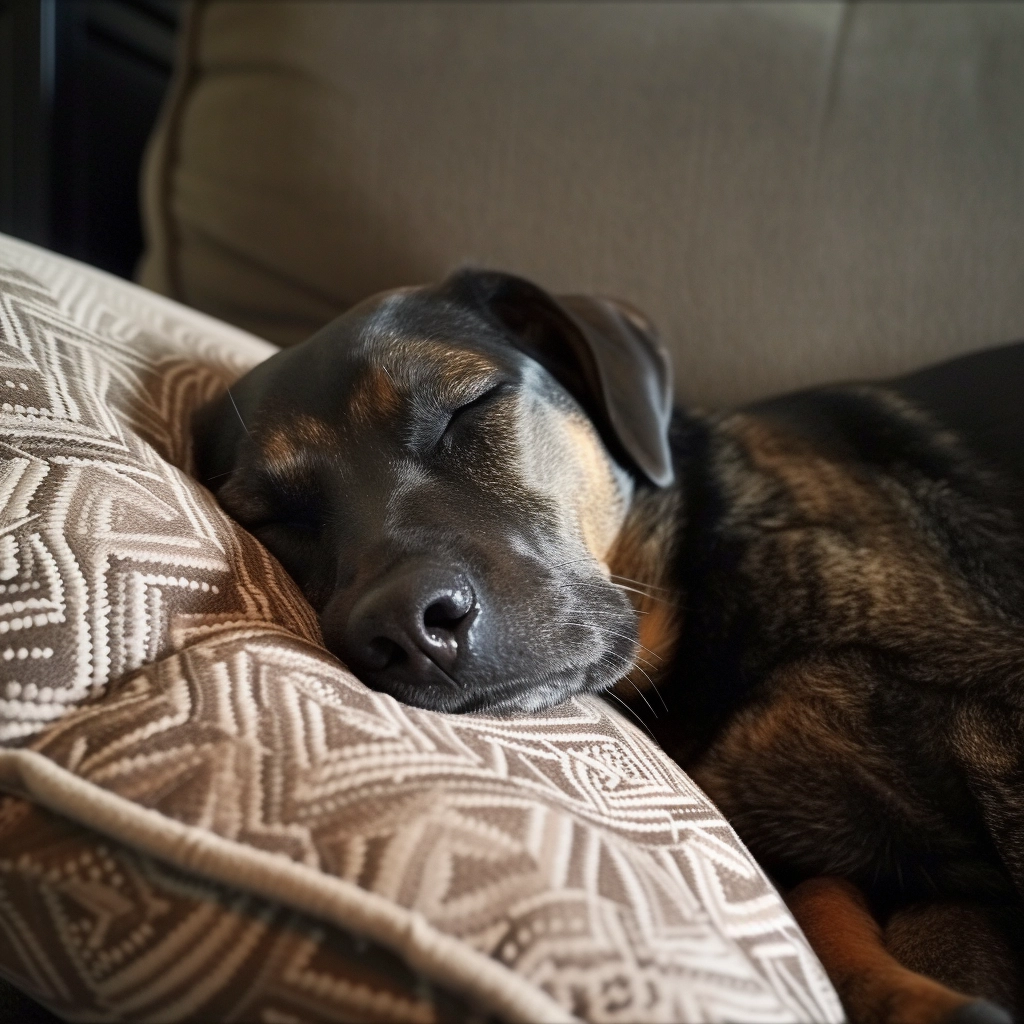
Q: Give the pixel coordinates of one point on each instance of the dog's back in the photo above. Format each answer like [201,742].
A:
[847,683]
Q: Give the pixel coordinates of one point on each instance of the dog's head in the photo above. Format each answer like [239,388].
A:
[443,471]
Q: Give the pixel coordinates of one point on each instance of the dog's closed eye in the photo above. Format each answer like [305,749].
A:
[462,412]
[466,414]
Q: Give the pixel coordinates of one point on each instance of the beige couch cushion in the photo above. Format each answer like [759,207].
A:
[795,192]
[225,805]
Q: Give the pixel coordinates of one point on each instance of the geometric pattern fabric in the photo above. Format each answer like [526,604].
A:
[211,817]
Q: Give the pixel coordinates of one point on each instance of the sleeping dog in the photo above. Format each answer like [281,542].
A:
[822,593]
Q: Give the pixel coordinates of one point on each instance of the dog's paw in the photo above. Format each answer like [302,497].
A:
[980,1011]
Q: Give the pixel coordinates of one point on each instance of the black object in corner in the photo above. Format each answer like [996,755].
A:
[81,83]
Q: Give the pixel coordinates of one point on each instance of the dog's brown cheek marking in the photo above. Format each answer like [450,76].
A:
[640,558]
[561,459]
[593,489]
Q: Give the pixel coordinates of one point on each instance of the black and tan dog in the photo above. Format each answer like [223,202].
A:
[484,492]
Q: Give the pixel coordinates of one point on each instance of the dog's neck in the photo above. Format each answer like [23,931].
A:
[642,562]
[652,557]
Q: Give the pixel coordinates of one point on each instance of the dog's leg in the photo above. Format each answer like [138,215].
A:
[874,987]
[987,731]
[968,947]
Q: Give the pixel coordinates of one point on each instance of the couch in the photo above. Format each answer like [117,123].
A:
[793,192]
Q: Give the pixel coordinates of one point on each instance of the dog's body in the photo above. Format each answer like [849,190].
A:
[827,589]
[846,678]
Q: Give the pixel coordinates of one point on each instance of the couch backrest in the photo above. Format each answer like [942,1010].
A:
[794,192]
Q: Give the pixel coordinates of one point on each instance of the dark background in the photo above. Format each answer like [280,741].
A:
[81,83]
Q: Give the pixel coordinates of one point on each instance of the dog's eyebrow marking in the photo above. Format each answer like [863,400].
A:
[376,392]
[464,376]
[475,387]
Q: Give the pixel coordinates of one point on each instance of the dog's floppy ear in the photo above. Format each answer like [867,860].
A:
[602,352]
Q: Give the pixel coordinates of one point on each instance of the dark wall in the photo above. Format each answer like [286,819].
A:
[81,82]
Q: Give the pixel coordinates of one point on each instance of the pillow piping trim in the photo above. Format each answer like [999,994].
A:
[446,960]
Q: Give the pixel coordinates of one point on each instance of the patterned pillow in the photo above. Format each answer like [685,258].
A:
[210,818]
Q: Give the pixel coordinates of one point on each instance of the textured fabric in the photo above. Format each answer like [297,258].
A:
[794,192]
[163,686]
[102,932]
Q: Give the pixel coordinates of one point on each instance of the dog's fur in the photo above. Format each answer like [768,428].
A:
[485,494]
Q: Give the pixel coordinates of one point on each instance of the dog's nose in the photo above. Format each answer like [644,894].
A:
[410,624]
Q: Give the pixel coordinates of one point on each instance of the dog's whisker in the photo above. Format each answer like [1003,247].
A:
[571,561]
[639,662]
[447,676]
[645,673]
[657,690]
[613,615]
[640,693]
[583,583]
[609,632]
[618,700]
[654,686]
[635,663]
[622,636]
[654,654]
[639,583]
[629,663]
[240,420]
[610,614]
[642,593]
[618,586]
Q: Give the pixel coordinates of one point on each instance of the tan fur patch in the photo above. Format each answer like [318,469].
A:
[561,457]
[375,395]
[595,491]
[871,983]
[457,375]
[823,488]
[282,446]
